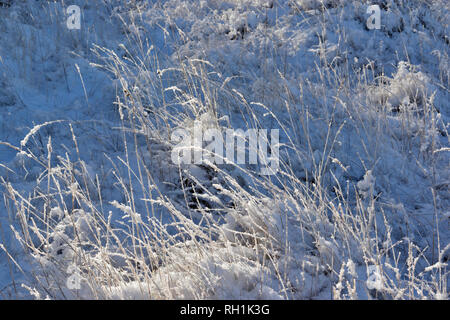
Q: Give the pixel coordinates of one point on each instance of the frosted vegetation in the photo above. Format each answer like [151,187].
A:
[359,208]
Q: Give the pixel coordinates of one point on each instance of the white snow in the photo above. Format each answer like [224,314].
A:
[85,153]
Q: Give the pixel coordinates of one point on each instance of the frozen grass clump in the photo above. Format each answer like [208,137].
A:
[357,209]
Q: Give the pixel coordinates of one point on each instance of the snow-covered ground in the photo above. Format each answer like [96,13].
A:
[359,208]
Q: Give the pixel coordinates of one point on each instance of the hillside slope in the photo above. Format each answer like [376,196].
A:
[94,206]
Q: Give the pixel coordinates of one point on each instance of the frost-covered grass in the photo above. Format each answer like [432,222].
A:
[358,210]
